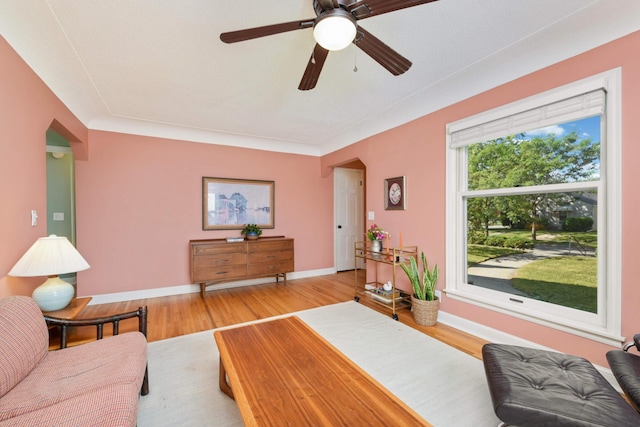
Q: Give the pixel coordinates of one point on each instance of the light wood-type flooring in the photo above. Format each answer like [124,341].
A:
[184,314]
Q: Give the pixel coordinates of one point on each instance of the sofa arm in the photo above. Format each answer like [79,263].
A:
[99,322]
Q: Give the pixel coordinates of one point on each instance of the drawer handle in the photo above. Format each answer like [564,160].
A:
[221,272]
[272,256]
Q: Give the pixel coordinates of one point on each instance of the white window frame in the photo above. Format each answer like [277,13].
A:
[605,326]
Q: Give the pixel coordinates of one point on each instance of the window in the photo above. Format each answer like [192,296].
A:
[533,208]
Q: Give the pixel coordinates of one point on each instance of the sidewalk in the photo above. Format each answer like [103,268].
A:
[497,273]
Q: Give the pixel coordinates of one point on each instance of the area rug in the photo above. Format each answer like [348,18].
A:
[445,386]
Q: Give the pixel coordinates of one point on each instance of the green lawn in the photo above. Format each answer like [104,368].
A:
[568,281]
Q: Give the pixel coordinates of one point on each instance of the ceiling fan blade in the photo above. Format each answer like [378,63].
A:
[362,9]
[267,30]
[314,66]
[395,63]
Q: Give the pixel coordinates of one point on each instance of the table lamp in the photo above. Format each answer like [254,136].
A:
[50,256]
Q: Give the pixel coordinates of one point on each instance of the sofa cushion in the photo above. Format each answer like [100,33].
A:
[532,387]
[115,405]
[23,342]
[67,377]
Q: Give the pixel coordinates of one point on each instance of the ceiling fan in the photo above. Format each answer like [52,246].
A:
[334,28]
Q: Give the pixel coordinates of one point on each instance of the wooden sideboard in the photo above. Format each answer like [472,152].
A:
[217,261]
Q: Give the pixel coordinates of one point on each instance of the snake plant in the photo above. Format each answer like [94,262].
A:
[424,288]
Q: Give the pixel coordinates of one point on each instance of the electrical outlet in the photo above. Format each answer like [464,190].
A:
[372,216]
[58,216]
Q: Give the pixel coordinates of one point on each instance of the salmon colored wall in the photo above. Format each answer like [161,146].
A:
[413,150]
[139,202]
[27,109]
[138,199]
[417,150]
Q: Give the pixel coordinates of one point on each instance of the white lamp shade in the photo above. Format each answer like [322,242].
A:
[49,256]
[334,31]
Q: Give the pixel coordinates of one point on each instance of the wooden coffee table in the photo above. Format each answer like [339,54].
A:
[281,372]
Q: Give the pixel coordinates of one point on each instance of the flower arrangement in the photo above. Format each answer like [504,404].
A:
[376,233]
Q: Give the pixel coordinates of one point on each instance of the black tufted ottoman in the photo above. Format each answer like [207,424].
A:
[532,387]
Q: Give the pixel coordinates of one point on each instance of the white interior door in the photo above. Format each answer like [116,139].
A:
[349,215]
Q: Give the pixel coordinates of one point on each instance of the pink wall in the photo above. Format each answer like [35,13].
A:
[27,109]
[417,150]
[413,150]
[139,199]
[139,202]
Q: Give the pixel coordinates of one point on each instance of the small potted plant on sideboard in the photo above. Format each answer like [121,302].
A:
[251,231]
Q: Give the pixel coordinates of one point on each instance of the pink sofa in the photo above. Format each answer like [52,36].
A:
[95,384]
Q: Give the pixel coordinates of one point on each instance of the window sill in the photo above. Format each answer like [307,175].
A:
[585,331]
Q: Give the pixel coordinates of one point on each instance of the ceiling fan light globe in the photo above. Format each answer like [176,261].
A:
[335,31]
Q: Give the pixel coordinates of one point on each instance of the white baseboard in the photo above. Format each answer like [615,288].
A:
[493,335]
[191,288]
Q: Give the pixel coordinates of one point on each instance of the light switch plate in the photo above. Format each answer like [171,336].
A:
[372,216]
[34,218]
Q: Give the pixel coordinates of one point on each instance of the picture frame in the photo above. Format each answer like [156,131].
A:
[229,204]
[395,194]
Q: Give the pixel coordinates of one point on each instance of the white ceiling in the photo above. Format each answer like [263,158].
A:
[158,67]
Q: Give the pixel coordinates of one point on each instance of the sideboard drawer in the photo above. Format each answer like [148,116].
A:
[270,245]
[214,249]
[220,273]
[265,268]
[271,256]
[221,259]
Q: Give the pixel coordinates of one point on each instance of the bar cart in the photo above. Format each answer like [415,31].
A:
[390,298]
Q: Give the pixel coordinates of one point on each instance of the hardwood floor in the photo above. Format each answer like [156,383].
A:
[184,314]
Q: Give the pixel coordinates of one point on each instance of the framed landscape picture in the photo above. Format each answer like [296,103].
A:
[395,193]
[228,204]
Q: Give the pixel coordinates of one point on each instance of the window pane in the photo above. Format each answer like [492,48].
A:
[563,153]
[538,246]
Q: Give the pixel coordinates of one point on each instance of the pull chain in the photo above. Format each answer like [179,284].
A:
[355,58]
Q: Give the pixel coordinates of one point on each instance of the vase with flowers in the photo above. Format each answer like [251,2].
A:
[375,234]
